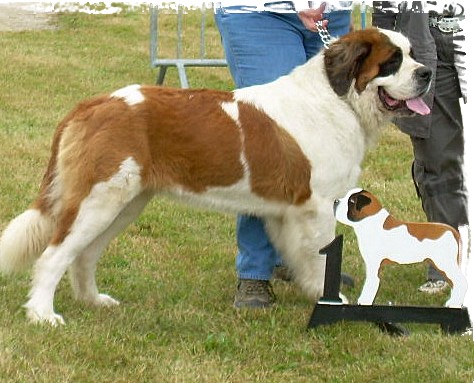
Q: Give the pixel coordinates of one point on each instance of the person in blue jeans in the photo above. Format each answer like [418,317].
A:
[261,46]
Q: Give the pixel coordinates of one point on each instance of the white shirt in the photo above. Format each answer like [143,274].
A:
[426,6]
[282,5]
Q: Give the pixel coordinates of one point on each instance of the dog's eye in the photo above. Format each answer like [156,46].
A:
[351,201]
[392,65]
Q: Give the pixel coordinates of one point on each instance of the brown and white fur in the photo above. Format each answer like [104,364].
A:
[384,239]
[283,151]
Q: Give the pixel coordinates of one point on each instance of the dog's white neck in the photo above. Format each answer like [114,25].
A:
[370,122]
[373,222]
[360,103]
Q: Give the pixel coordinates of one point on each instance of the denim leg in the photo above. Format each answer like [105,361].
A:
[256,256]
[260,46]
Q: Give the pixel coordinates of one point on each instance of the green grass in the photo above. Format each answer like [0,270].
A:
[173,269]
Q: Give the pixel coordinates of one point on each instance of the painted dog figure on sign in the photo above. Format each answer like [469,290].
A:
[382,238]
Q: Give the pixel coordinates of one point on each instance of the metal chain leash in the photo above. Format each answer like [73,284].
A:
[326,38]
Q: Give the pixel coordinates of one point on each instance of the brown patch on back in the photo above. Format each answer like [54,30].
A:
[279,170]
[425,230]
[422,230]
[178,137]
[192,142]
[391,223]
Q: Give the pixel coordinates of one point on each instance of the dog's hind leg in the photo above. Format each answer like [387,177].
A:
[82,222]
[458,291]
[458,281]
[82,270]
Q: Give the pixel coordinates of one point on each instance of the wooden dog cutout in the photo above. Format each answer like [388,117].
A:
[382,239]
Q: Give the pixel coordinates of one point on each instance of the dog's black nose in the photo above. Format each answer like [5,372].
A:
[334,207]
[423,75]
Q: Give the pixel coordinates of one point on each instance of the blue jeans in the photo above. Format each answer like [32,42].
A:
[260,47]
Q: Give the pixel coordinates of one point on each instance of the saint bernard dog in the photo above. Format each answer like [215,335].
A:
[283,151]
[384,239]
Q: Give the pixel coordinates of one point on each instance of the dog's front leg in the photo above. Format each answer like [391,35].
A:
[371,284]
[299,235]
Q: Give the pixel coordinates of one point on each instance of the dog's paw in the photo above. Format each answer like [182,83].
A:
[52,319]
[453,303]
[365,302]
[104,300]
[343,298]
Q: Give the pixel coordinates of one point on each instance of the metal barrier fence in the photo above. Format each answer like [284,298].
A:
[178,61]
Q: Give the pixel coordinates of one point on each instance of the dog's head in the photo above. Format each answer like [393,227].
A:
[356,205]
[377,63]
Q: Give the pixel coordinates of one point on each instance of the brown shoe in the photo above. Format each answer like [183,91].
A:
[254,293]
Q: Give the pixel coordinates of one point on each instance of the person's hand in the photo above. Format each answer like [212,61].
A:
[309,17]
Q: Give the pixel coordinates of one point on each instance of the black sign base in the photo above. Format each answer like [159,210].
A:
[452,320]
[330,309]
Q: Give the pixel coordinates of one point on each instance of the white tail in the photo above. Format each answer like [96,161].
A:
[23,240]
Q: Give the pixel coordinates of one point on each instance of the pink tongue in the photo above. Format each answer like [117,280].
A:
[417,105]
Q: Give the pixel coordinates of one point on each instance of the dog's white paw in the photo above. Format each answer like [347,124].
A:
[105,300]
[343,298]
[453,303]
[52,319]
[365,302]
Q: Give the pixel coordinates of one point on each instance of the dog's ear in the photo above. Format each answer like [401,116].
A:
[362,200]
[355,204]
[343,60]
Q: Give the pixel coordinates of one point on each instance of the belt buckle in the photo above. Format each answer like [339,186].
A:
[449,24]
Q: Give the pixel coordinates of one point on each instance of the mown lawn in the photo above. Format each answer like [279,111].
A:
[173,269]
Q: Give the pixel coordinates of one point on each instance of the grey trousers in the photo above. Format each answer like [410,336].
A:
[438,159]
